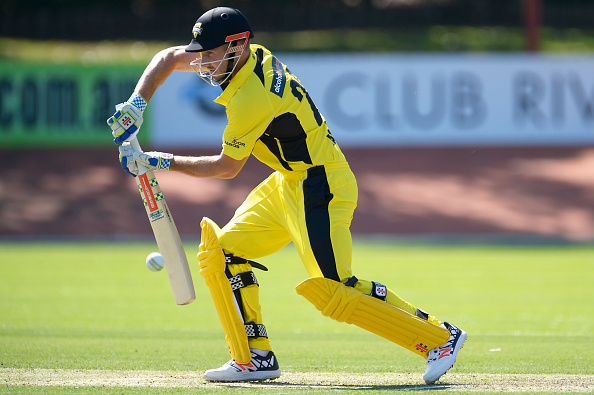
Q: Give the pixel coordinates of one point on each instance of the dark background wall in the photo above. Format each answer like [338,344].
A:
[169,19]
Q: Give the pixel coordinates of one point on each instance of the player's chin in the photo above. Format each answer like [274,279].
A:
[220,78]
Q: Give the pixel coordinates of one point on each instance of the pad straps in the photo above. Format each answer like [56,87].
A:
[230,259]
[255,330]
[242,280]
[351,282]
[378,290]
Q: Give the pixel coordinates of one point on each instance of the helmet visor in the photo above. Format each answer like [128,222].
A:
[219,71]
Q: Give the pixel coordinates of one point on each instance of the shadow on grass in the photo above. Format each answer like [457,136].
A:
[286,385]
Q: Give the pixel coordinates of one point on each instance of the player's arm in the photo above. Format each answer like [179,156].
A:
[160,68]
[219,166]
[215,166]
[127,120]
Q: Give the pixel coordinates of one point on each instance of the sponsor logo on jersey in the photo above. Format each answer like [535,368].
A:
[235,143]
[279,79]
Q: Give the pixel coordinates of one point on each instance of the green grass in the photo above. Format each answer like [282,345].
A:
[96,306]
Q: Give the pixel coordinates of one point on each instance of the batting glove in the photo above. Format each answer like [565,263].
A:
[127,159]
[154,160]
[127,120]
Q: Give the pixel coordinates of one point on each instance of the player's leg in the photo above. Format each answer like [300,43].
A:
[440,357]
[382,292]
[438,342]
[335,261]
[329,201]
[320,210]
[332,216]
[252,233]
[255,231]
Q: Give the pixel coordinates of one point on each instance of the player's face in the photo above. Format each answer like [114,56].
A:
[214,62]
[214,66]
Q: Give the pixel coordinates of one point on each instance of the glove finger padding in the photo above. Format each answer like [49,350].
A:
[127,160]
[125,122]
[154,160]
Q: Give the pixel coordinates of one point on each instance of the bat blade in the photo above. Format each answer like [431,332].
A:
[167,237]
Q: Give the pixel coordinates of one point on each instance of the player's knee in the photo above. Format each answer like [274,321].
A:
[239,272]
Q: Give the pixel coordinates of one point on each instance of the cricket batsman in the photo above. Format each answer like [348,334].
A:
[309,200]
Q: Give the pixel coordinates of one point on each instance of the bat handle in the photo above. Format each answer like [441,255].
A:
[136,146]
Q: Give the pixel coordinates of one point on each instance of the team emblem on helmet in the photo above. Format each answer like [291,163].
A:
[197,30]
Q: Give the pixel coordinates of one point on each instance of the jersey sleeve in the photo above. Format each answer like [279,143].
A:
[248,116]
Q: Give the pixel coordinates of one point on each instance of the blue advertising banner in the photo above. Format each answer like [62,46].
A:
[412,100]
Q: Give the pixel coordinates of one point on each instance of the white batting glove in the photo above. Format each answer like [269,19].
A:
[154,160]
[127,120]
[127,159]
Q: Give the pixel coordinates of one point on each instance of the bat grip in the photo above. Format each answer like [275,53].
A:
[136,146]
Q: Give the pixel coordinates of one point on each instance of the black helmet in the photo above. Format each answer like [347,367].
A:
[217,27]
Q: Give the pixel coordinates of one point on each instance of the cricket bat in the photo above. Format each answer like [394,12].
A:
[166,234]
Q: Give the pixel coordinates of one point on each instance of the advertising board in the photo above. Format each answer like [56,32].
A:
[412,100]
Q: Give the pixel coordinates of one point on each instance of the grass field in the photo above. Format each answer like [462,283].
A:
[90,318]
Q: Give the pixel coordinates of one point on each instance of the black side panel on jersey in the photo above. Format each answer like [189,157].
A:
[287,130]
[317,197]
[271,144]
[258,68]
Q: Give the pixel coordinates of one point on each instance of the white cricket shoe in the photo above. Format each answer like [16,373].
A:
[259,368]
[441,359]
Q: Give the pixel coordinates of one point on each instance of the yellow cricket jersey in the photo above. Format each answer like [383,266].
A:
[271,115]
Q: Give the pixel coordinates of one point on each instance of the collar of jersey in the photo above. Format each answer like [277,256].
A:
[237,80]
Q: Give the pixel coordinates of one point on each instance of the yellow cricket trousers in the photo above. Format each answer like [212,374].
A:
[314,210]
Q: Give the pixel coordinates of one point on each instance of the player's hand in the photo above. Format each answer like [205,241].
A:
[127,159]
[125,122]
[154,160]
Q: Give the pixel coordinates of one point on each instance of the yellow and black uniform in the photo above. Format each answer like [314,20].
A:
[271,115]
[311,196]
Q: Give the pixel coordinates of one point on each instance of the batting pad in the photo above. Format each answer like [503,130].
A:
[212,268]
[346,304]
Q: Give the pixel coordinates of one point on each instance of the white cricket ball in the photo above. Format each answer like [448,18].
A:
[155,261]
